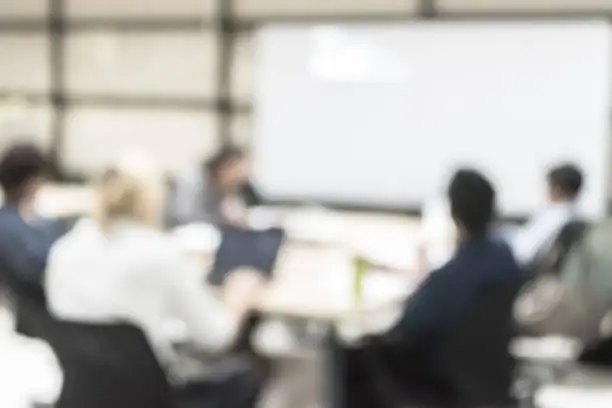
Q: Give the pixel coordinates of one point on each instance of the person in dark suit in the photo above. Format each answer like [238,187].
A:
[25,237]
[442,300]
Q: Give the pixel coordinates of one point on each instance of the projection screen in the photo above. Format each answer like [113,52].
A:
[380,115]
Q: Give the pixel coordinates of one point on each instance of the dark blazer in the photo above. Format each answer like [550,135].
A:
[24,247]
[450,291]
[451,346]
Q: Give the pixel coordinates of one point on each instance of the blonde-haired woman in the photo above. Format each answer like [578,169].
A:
[119,266]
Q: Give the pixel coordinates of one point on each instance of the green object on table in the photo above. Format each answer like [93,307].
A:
[360,267]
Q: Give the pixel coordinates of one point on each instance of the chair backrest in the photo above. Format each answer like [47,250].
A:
[476,356]
[571,234]
[28,300]
[107,366]
[552,258]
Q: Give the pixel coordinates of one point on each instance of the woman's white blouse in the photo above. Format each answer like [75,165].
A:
[134,273]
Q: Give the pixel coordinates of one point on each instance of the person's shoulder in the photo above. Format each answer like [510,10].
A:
[448,268]
[499,244]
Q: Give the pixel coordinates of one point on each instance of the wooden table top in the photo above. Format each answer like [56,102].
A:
[318,283]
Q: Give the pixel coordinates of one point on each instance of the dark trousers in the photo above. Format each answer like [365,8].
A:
[386,376]
[238,391]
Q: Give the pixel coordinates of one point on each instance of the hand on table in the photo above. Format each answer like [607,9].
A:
[242,289]
[235,213]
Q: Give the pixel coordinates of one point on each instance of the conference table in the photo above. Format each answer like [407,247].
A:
[313,276]
[313,280]
[318,288]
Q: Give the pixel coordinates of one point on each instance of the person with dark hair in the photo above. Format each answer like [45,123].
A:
[538,235]
[418,358]
[479,260]
[25,237]
[216,192]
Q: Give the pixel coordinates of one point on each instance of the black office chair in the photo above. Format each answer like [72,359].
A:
[103,365]
[473,369]
[107,366]
[28,301]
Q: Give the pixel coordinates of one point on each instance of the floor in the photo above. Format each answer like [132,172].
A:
[294,384]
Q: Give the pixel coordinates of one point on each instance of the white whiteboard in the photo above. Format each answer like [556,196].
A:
[380,115]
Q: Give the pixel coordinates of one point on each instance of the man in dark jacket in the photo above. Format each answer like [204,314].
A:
[444,299]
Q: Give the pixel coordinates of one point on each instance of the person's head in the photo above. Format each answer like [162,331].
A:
[472,202]
[564,183]
[23,169]
[228,167]
[132,190]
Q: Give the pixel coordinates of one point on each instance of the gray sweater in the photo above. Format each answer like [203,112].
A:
[195,199]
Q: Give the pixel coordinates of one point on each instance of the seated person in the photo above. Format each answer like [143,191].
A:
[217,192]
[442,300]
[538,235]
[25,237]
[121,267]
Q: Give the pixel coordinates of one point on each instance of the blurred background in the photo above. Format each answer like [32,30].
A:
[86,77]
[175,80]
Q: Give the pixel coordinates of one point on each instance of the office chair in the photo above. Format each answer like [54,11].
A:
[106,366]
[552,259]
[28,300]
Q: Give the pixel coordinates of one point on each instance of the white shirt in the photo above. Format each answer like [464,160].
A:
[540,232]
[134,273]
[438,232]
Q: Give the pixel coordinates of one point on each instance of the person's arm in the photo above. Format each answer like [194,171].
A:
[212,324]
[431,308]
